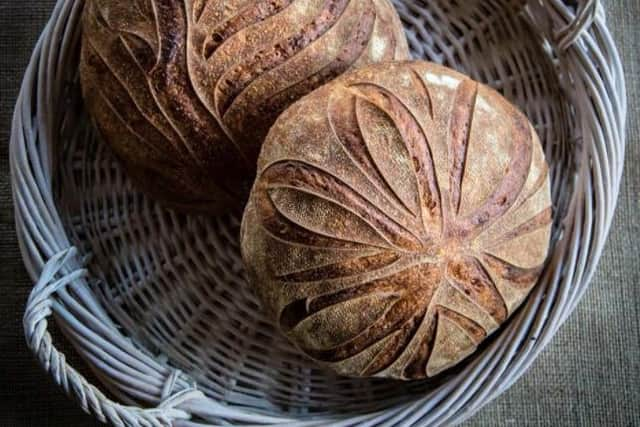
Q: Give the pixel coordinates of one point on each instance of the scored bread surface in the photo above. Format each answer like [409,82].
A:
[185,91]
[400,215]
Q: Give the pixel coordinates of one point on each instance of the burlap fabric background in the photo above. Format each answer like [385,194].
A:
[589,375]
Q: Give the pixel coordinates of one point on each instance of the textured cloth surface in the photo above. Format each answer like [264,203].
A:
[588,376]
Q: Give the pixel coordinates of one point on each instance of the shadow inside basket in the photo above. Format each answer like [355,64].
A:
[176,285]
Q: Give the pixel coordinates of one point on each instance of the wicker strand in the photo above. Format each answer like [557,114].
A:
[585,17]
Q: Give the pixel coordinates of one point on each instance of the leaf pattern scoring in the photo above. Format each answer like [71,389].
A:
[186,90]
[400,215]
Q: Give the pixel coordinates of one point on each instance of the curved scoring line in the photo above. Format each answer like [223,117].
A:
[335,60]
[471,226]
[323,245]
[399,349]
[392,52]
[416,77]
[372,334]
[174,57]
[511,272]
[366,47]
[282,60]
[393,300]
[334,67]
[316,247]
[198,8]
[156,21]
[428,160]
[416,364]
[458,318]
[306,289]
[191,201]
[121,119]
[540,181]
[180,149]
[328,355]
[199,12]
[459,135]
[395,197]
[388,193]
[533,224]
[303,163]
[534,190]
[411,303]
[391,37]
[141,6]
[100,17]
[321,303]
[429,152]
[480,266]
[151,92]
[205,105]
[292,277]
[125,88]
[189,149]
[456,285]
[242,22]
[321,196]
[137,35]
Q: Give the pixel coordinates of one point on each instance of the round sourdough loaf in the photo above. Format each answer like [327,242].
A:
[185,91]
[400,215]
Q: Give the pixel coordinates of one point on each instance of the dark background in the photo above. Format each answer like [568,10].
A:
[588,376]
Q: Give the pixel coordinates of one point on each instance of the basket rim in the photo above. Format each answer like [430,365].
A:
[55,266]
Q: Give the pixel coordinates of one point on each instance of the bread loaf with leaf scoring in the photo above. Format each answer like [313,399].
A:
[185,90]
[400,215]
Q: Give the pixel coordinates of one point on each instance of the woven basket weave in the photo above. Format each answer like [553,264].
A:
[157,303]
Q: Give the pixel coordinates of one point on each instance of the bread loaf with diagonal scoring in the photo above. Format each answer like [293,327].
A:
[185,91]
[400,215]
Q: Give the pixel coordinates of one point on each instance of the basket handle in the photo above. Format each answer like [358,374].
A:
[39,307]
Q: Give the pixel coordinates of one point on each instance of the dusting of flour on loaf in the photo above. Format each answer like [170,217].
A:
[405,80]
[378,46]
[448,81]
[484,105]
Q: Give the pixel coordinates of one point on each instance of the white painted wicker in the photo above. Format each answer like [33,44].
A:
[157,303]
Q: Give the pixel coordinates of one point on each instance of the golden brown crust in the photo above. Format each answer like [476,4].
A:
[400,215]
[185,91]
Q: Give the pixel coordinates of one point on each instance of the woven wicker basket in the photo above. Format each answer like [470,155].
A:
[157,303]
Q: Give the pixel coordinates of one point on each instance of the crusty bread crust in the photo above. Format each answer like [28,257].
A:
[400,215]
[186,91]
